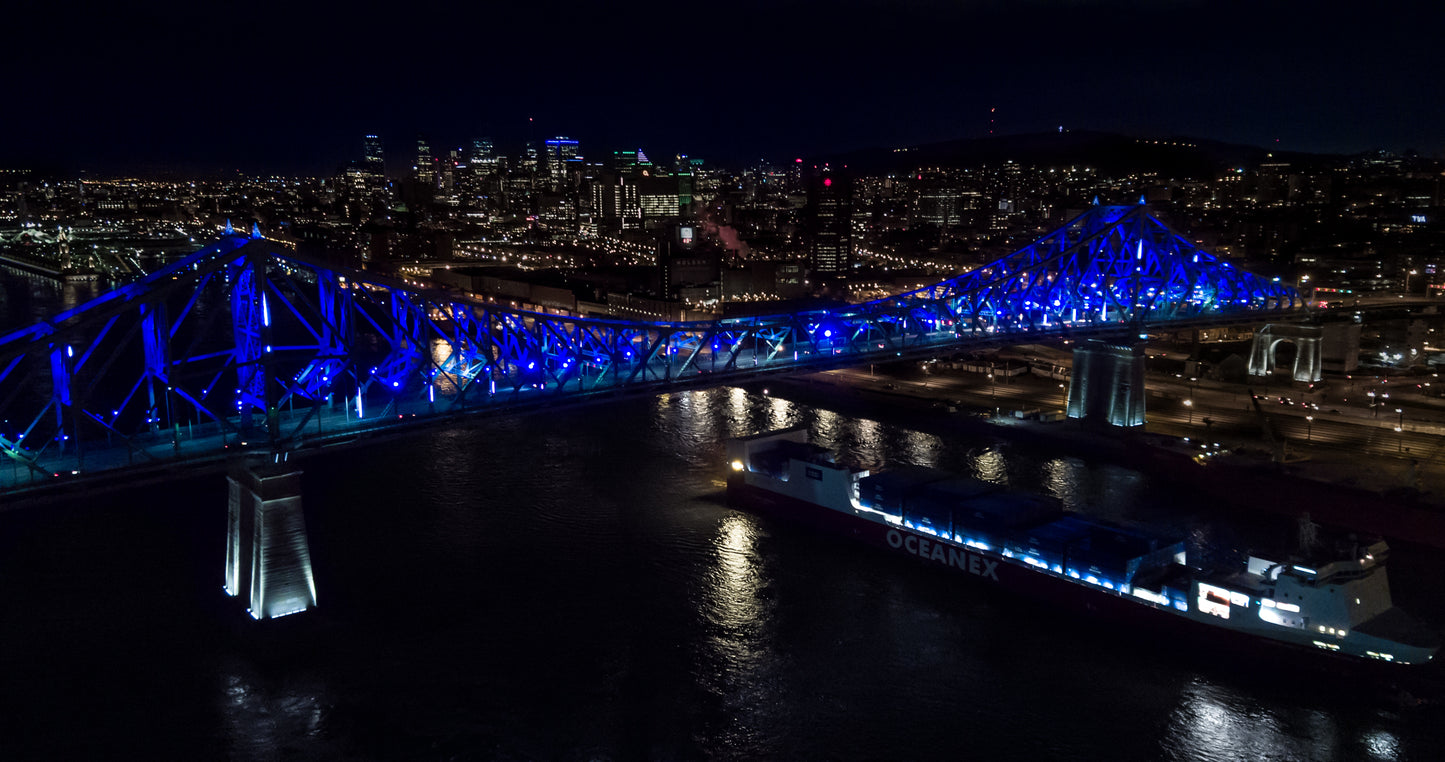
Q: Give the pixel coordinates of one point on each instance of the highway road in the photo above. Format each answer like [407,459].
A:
[1217,410]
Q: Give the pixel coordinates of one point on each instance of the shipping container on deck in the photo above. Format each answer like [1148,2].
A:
[1109,553]
[1047,544]
[942,500]
[889,491]
[998,511]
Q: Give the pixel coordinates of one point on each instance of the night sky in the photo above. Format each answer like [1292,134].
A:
[262,87]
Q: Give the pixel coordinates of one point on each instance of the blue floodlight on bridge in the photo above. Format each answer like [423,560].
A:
[247,332]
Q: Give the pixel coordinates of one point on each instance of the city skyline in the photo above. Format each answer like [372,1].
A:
[119,89]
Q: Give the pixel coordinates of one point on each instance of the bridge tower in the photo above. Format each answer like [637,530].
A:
[1307,358]
[1108,382]
[268,557]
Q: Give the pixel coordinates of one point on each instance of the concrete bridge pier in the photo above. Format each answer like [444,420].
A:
[268,557]
[1307,359]
[1108,383]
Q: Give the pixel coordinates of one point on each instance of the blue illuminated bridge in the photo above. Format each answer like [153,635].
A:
[246,346]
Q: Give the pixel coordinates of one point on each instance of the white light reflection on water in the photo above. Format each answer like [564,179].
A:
[920,448]
[991,466]
[828,426]
[265,720]
[1382,744]
[740,645]
[737,407]
[734,582]
[781,413]
[695,423]
[1059,480]
[867,430]
[868,448]
[1213,723]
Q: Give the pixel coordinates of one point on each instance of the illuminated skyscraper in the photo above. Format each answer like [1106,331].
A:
[528,162]
[482,153]
[446,169]
[616,202]
[372,159]
[424,169]
[365,180]
[563,154]
[686,168]
[830,222]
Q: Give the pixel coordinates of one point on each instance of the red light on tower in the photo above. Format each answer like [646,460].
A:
[799,161]
[827,181]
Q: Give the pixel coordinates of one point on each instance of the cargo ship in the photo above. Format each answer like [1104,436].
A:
[1332,601]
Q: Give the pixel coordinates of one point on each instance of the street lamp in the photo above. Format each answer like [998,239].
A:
[1190,404]
[1400,429]
[1064,398]
[1309,427]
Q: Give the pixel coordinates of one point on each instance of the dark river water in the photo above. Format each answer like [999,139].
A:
[573,586]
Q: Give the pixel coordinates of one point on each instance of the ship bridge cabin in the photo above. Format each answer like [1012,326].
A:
[803,470]
[1331,597]
[1333,602]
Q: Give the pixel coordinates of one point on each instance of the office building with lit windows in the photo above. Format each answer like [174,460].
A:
[563,154]
[829,222]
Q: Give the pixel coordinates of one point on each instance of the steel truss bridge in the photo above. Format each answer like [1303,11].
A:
[245,345]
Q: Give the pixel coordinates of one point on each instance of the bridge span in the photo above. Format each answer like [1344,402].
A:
[245,354]
[245,345]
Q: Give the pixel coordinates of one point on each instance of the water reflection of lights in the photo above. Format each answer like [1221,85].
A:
[733,593]
[264,720]
[922,449]
[737,404]
[990,466]
[1382,744]
[1210,723]
[868,445]
[1061,479]
[829,424]
[781,413]
[441,352]
[868,430]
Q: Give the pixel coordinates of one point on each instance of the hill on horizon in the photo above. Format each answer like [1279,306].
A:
[1110,153]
